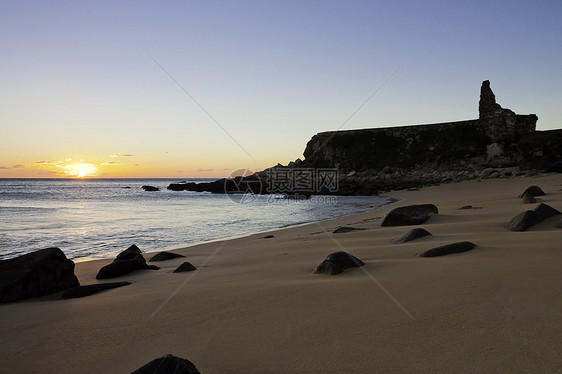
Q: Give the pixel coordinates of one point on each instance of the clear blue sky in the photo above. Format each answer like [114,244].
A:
[78,80]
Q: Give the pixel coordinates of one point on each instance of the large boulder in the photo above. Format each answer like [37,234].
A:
[412,234]
[337,262]
[150,188]
[523,221]
[448,249]
[126,262]
[409,215]
[168,364]
[36,274]
[90,289]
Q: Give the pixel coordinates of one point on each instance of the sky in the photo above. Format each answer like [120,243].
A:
[184,89]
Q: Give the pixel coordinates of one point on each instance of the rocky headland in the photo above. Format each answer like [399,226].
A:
[498,144]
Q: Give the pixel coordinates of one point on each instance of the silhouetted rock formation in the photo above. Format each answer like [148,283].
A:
[337,262]
[525,220]
[126,262]
[496,131]
[36,274]
[409,215]
[448,249]
[83,291]
[150,188]
[168,364]
[182,186]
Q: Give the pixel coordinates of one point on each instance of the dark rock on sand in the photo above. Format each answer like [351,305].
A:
[185,267]
[126,262]
[268,237]
[168,364]
[523,221]
[533,191]
[82,291]
[150,188]
[342,229]
[411,235]
[337,262]
[528,199]
[163,256]
[36,274]
[409,215]
[448,249]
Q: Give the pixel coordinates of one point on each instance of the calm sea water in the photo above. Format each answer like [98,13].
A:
[98,218]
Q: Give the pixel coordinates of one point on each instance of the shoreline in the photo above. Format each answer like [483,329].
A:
[391,199]
[254,306]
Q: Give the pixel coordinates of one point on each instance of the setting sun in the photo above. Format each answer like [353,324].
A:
[82,170]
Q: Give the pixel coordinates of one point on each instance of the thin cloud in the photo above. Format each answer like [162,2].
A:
[12,167]
[122,155]
[204,170]
[42,162]
[110,163]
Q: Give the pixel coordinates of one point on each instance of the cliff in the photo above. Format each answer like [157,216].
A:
[498,144]
[498,132]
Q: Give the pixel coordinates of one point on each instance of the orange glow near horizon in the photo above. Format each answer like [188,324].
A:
[145,166]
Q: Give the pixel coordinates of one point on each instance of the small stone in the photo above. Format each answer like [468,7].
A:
[528,199]
[448,249]
[533,191]
[409,215]
[185,267]
[168,364]
[411,235]
[163,256]
[343,229]
[337,262]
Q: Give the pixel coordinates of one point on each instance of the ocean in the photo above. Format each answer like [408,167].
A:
[98,218]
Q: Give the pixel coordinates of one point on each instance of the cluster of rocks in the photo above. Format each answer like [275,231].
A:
[49,271]
[337,262]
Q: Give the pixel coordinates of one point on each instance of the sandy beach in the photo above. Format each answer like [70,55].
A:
[254,306]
